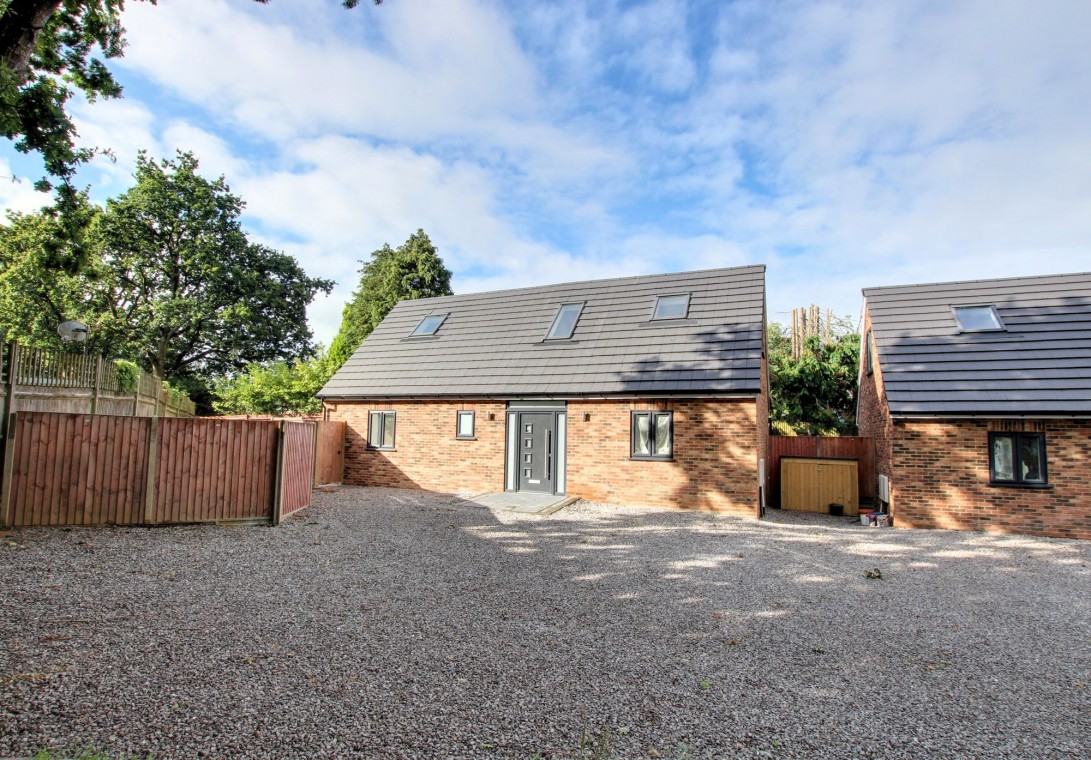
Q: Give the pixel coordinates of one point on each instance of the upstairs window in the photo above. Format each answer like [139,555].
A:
[671,307]
[380,430]
[1017,459]
[429,325]
[565,321]
[653,435]
[978,318]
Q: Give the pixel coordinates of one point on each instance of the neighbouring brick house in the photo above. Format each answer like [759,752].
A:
[647,390]
[978,395]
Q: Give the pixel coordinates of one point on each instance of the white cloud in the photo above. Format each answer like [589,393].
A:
[18,193]
[846,144]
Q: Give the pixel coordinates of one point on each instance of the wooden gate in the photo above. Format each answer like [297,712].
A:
[296,468]
[811,485]
[329,458]
[861,449]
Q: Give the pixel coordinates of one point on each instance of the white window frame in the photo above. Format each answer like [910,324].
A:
[383,445]
[458,425]
[660,299]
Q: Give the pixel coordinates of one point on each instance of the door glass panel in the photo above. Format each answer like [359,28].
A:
[643,445]
[528,443]
[1003,464]
[526,458]
[662,435]
[526,473]
[1030,458]
[530,428]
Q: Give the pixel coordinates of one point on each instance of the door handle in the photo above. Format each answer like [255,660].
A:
[549,455]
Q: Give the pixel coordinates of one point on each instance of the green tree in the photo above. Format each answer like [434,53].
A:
[170,282]
[177,287]
[36,291]
[46,52]
[816,393]
[412,270]
[278,388]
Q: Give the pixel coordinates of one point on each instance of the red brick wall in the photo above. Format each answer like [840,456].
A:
[716,444]
[714,465]
[942,473]
[873,414]
[427,454]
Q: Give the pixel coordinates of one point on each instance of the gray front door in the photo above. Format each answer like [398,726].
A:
[537,439]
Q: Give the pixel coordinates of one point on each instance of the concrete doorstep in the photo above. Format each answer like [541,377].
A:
[523,502]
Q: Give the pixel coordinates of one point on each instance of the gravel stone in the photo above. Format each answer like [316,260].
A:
[407,624]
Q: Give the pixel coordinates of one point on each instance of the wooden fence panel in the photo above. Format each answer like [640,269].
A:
[824,447]
[74,469]
[329,457]
[82,469]
[297,466]
[209,469]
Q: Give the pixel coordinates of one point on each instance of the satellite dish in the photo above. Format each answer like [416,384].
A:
[72,330]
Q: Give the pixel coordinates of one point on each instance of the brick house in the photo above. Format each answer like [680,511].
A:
[978,395]
[645,390]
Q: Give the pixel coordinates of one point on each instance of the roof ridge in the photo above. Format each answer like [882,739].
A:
[976,282]
[567,283]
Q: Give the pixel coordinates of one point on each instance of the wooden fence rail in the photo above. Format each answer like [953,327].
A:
[83,469]
[824,447]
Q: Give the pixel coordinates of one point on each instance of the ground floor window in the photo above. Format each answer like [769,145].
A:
[380,429]
[464,425]
[652,435]
[1017,458]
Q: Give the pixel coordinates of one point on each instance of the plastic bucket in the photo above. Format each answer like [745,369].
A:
[866,518]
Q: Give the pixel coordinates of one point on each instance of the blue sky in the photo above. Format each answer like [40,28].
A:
[842,144]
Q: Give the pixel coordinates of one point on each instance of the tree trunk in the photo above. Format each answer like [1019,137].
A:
[20,26]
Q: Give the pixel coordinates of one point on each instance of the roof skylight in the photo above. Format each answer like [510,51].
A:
[429,325]
[977,318]
[671,307]
[565,321]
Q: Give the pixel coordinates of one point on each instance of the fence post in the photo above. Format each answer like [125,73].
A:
[278,489]
[97,387]
[153,469]
[317,454]
[9,392]
[9,471]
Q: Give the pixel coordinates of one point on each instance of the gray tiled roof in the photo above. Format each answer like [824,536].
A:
[493,344]
[1041,364]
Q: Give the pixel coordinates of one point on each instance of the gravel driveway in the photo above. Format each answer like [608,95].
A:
[391,623]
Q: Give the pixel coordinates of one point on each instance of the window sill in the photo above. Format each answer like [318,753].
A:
[1024,486]
[662,322]
[651,459]
[465,438]
[381,448]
